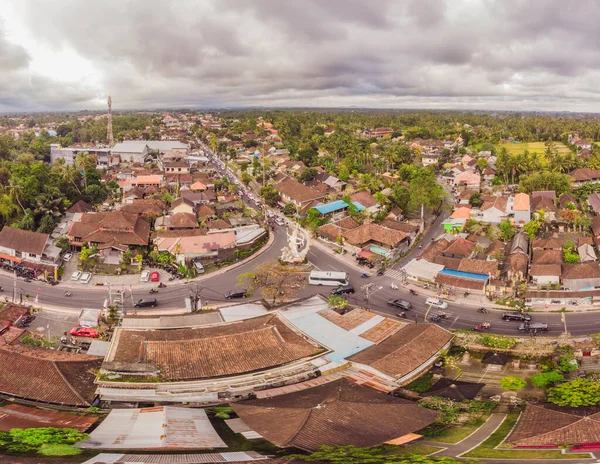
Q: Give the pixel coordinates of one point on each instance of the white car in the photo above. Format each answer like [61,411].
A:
[76,275]
[85,277]
[67,256]
[145,276]
[279,221]
[437,303]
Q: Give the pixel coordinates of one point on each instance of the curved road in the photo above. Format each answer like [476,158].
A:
[212,291]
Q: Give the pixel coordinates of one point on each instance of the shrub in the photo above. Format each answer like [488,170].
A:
[512,383]
[576,393]
[543,379]
[497,341]
[59,450]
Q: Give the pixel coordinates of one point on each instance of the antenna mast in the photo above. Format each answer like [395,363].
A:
[111,140]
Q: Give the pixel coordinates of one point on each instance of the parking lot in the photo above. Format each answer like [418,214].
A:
[53,323]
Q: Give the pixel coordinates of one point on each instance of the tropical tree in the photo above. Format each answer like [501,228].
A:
[512,383]
[379,455]
[275,281]
[575,393]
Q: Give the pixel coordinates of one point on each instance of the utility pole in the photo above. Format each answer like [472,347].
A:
[264,167]
[15,287]
[195,298]
[368,290]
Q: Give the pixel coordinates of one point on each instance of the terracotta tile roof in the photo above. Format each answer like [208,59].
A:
[517,263]
[404,351]
[589,270]
[448,263]
[349,320]
[538,270]
[336,413]
[435,249]
[374,232]
[80,207]
[218,224]
[461,212]
[226,349]
[364,198]
[479,266]
[460,247]
[23,240]
[183,221]
[401,226]
[54,377]
[545,424]
[382,331]
[547,256]
[145,207]
[521,202]
[545,203]
[204,211]
[594,201]
[548,244]
[125,228]
[23,417]
[460,282]
[585,174]
[298,192]
[347,223]
[496,247]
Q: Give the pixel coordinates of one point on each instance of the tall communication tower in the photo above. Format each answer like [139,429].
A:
[111,140]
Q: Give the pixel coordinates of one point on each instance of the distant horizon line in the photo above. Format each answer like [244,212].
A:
[291,108]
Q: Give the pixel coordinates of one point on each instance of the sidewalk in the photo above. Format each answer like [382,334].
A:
[454,450]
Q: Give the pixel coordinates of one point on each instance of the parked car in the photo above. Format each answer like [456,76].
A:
[534,326]
[84,332]
[146,302]
[76,275]
[437,303]
[342,290]
[402,304]
[155,276]
[513,316]
[236,294]
[85,277]
[67,256]
[199,267]
[279,221]
[145,276]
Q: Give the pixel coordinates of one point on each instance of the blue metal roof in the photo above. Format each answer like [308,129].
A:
[358,206]
[326,208]
[464,275]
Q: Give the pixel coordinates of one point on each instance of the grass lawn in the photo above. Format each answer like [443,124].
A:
[457,433]
[408,450]
[422,384]
[487,448]
[533,147]
[59,450]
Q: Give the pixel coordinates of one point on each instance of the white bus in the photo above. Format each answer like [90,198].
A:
[328,278]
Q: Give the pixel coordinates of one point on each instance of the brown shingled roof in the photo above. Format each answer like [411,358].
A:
[374,232]
[479,266]
[547,256]
[539,270]
[184,221]
[404,351]
[589,270]
[23,240]
[80,207]
[460,247]
[545,424]
[460,282]
[125,228]
[297,191]
[225,349]
[336,413]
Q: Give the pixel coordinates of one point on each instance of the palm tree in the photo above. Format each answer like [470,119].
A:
[14,189]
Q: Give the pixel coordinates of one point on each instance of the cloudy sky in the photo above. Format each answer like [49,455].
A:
[477,54]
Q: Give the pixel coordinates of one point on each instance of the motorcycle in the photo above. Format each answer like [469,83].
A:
[27,279]
[402,315]
[161,285]
[364,276]
[435,319]
[466,294]
[426,285]
[482,310]
[482,327]
[412,292]
[67,293]
[153,290]
[393,286]
[380,272]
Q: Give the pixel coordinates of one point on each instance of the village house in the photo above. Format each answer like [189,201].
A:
[31,249]
[430,157]
[594,202]
[177,167]
[520,209]
[580,276]
[545,274]
[494,210]
[298,194]
[376,238]
[468,179]
[366,200]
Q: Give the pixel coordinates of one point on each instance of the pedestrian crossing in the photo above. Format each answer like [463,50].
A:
[396,274]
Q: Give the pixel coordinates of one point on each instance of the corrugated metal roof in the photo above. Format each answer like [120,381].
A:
[243,311]
[204,458]
[170,322]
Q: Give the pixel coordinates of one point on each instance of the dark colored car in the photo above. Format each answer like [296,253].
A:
[146,302]
[236,294]
[402,304]
[520,317]
[534,327]
[343,289]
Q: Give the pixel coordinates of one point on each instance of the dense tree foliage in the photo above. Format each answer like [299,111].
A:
[576,393]
[379,455]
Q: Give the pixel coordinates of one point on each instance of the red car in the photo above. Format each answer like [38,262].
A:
[84,332]
[155,276]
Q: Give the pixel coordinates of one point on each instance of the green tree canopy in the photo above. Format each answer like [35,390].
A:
[379,455]
[575,393]
[544,379]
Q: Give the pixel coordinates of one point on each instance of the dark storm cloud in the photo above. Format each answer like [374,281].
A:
[517,54]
